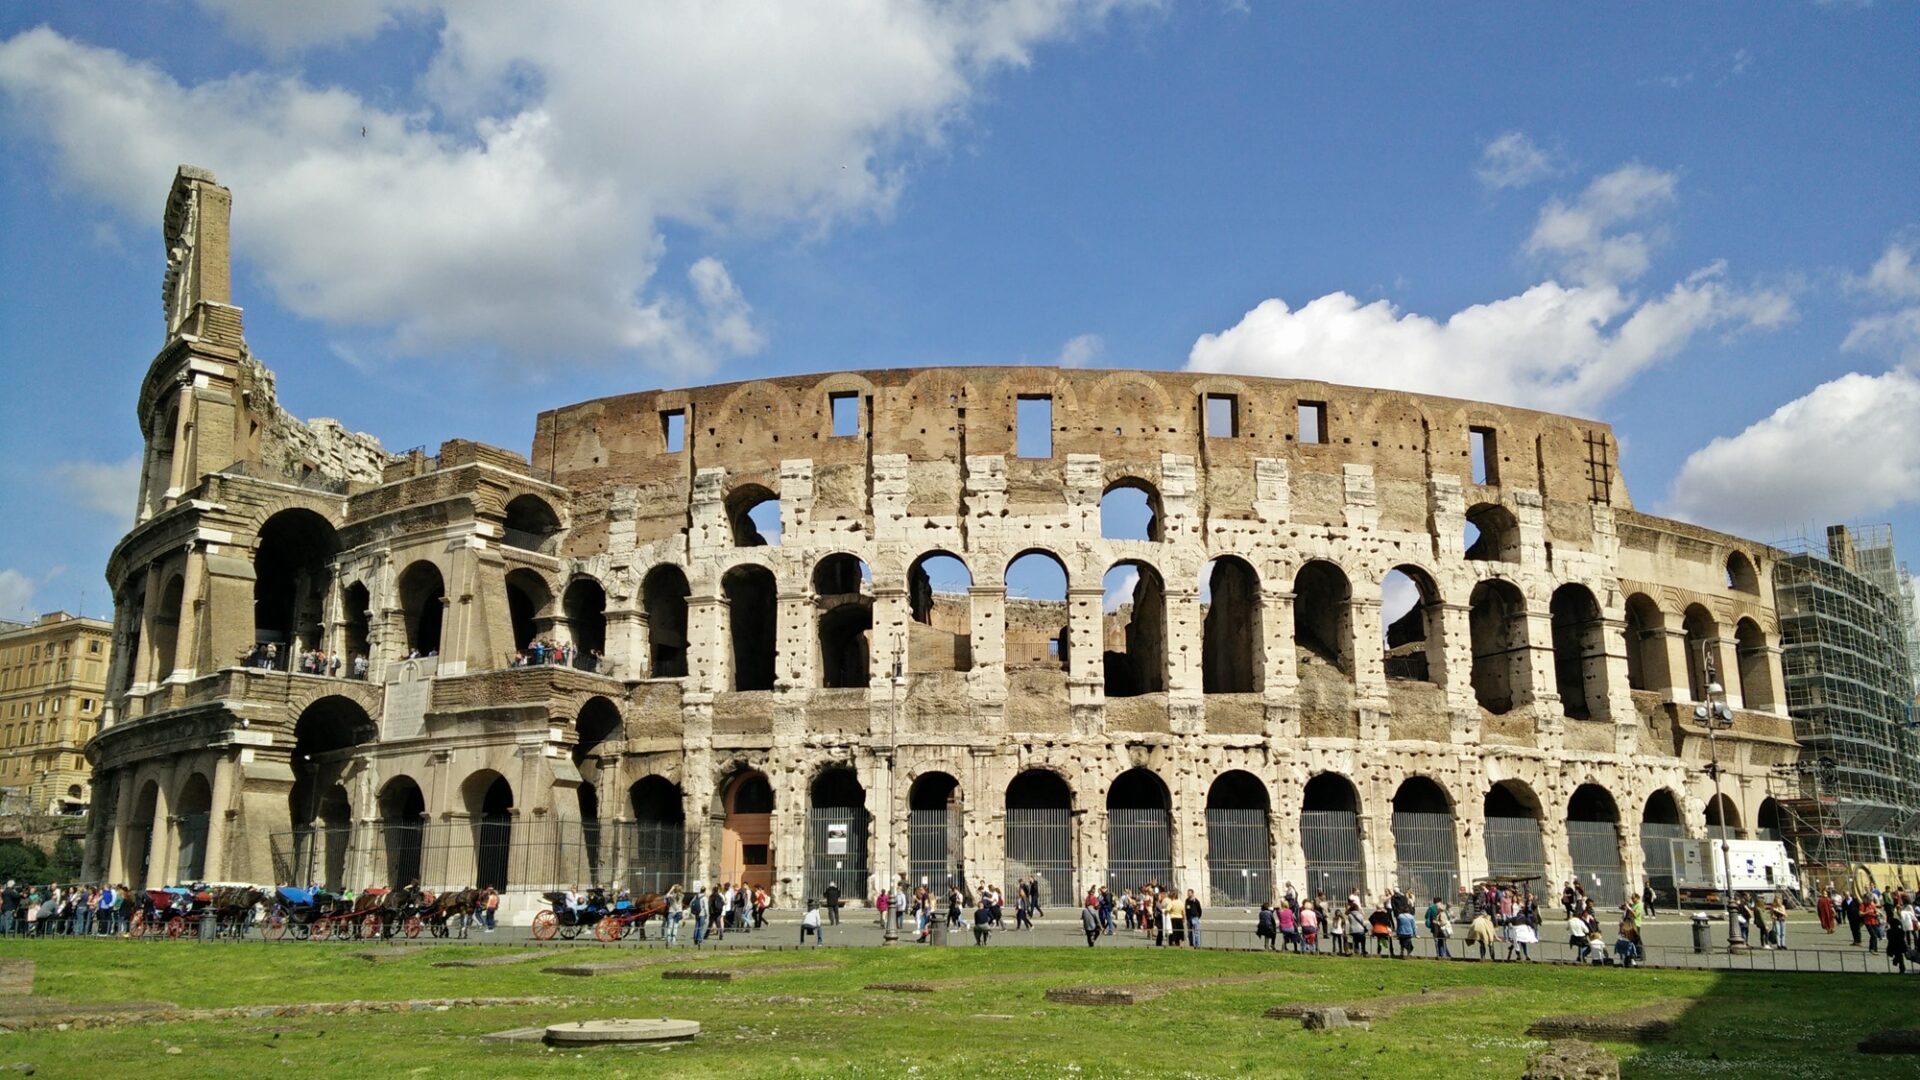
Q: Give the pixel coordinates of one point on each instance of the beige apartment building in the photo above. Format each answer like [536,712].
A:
[53,677]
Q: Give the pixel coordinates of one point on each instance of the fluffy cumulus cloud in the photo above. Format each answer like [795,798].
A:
[1848,448]
[1081,351]
[518,204]
[1560,347]
[109,488]
[1513,161]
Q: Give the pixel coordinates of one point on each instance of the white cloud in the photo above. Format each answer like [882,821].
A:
[109,487]
[1563,348]
[1513,161]
[1896,333]
[1894,276]
[1081,351]
[1120,585]
[16,595]
[1849,448]
[1577,235]
[519,205]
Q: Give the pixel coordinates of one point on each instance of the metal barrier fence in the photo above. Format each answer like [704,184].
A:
[503,853]
[1595,849]
[1428,859]
[933,849]
[1656,848]
[1139,847]
[1239,857]
[1331,841]
[1040,846]
[1514,848]
[836,850]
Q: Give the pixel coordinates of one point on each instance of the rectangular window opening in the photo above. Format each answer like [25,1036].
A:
[1313,421]
[846,414]
[753,854]
[1033,427]
[1223,416]
[673,428]
[1484,445]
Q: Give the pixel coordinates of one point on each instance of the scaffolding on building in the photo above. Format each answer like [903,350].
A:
[1845,610]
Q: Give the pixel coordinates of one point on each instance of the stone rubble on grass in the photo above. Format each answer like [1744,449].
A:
[1571,1059]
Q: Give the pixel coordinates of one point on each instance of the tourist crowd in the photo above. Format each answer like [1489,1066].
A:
[79,910]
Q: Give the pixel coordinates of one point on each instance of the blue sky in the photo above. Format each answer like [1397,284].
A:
[1699,222]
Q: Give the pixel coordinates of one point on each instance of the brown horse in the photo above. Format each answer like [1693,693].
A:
[232,906]
[646,906]
[440,910]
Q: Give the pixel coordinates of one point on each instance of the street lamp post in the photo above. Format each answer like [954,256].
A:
[1715,713]
[889,922]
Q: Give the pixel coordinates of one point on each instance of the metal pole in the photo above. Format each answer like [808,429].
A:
[1714,706]
[889,935]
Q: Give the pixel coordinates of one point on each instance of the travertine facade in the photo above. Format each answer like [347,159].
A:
[744,716]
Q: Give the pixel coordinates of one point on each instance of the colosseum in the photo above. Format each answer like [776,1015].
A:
[948,623]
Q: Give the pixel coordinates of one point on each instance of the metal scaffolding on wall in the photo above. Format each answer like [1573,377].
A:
[1845,609]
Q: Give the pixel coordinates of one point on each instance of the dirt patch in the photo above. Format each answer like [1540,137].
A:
[1373,1009]
[1095,995]
[902,987]
[1648,1023]
[122,1014]
[493,961]
[1898,1041]
[16,978]
[1571,1059]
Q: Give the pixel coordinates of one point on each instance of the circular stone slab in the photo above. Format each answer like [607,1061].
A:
[611,1032]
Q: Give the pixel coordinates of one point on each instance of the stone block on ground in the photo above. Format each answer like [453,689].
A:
[1330,1019]
[698,975]
[1648,1023]
[1571,1059]
[902,987]
[491,961]
[1091,995]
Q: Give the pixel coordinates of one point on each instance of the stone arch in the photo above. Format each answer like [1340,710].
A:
[585,606]
[1502,664]
[1239,840]
[1323,616]
[838,830]
[403,819]
[1593,844]
[1721,809]
[1139,830]
[1039,832]
[529,606]
[1426,853]
[664,593]
[530,524]
[1754,666]
[490,808]
[1661,823]
[1409,608]
[1579,652]
[1766,820]
[753,510]
[844,624]
[1330,835]
[659,844]
[1492,534]
[293,570]
[1646,645]
[167,647]
[138,837]
[1703,637]
[423,601]
[193,813]
[356,616]
[1130,509]
[1232,651]
[1512,831]
[941,637]
[326,735]
[1741,576]
[1036,626]
[1136,615]
[746,852]
[936,830]
[752,625]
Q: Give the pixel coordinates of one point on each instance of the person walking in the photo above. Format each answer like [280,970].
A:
[1090,920]
[1851,906]
[1268,927]
[1777,914]
[1356,928]
[1870,918]
[696,903]
[1824,909]
[1403,928]
[1193,919]
[1442,929]
[832,894]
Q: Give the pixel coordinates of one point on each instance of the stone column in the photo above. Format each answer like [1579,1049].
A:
[220,818]
[796,662]
[1185,647]
[628,648]
[708,651]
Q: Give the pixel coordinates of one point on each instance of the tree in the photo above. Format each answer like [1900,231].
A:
[64,865]
[22,862]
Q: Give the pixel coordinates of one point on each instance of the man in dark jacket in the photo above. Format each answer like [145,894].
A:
[833,904]
[1090,919]
[1193,919]
[1853,916]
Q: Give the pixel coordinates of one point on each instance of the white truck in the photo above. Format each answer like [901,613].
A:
[1758,866]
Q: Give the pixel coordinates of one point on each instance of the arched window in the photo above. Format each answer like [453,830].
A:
[1323,616]
[941,635]
[1239,841]
[530,524]
[1330,835]
[1646,645]
[935,832]
[1740,574]
[167,653]
[1492,534]
[356,613]
[403,819]
[664,592]
[1755,666]
[1512,831]
[1660,825]
[1134,630]
[195,811]
[293,569]
[1037,612]
[1130,510]
[585,606]
[528,600]
[1040,832]
[1232,650]
[660,834]
[324,738]
[1593,842]
[1703,637]
[837,834]
[1139,831]
[1423,841]
[1408,603]
[423,597]
[845,620]
[752,624]
[746,853]
[1579,653]
[489,805]
[754,514]
[1502,672]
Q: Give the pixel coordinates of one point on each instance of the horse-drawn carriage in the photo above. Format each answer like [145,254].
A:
[318,915]
[609,921]
[167,912]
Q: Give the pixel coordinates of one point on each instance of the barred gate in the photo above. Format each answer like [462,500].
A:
[1331,840]
[933,849]
[1428,858]
[193,847]
[1040,846]
[1514,848]
[1595,849]
[659,856]
[1239,857]
[312,856]
[493,847]
[401,849]
[846,869]
[1139,848]
[1656,848]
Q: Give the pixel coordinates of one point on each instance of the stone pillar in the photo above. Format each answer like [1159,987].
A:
[1369,661]
[1276,628]
[115,864]
[1185,642]
[888,640]
[708,651]
[796,661]
[1678,663]
[1086,675]
[627,649]
[220,817]
[161,853]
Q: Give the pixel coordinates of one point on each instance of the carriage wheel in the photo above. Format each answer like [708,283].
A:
[322,930]
[302,932]
[604,931]
[570,931]
[412,926]
[138,927]
[623,927]
[545,925]
[276,928]
[176,926]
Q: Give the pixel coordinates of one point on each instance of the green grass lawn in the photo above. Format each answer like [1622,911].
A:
[807,1014]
